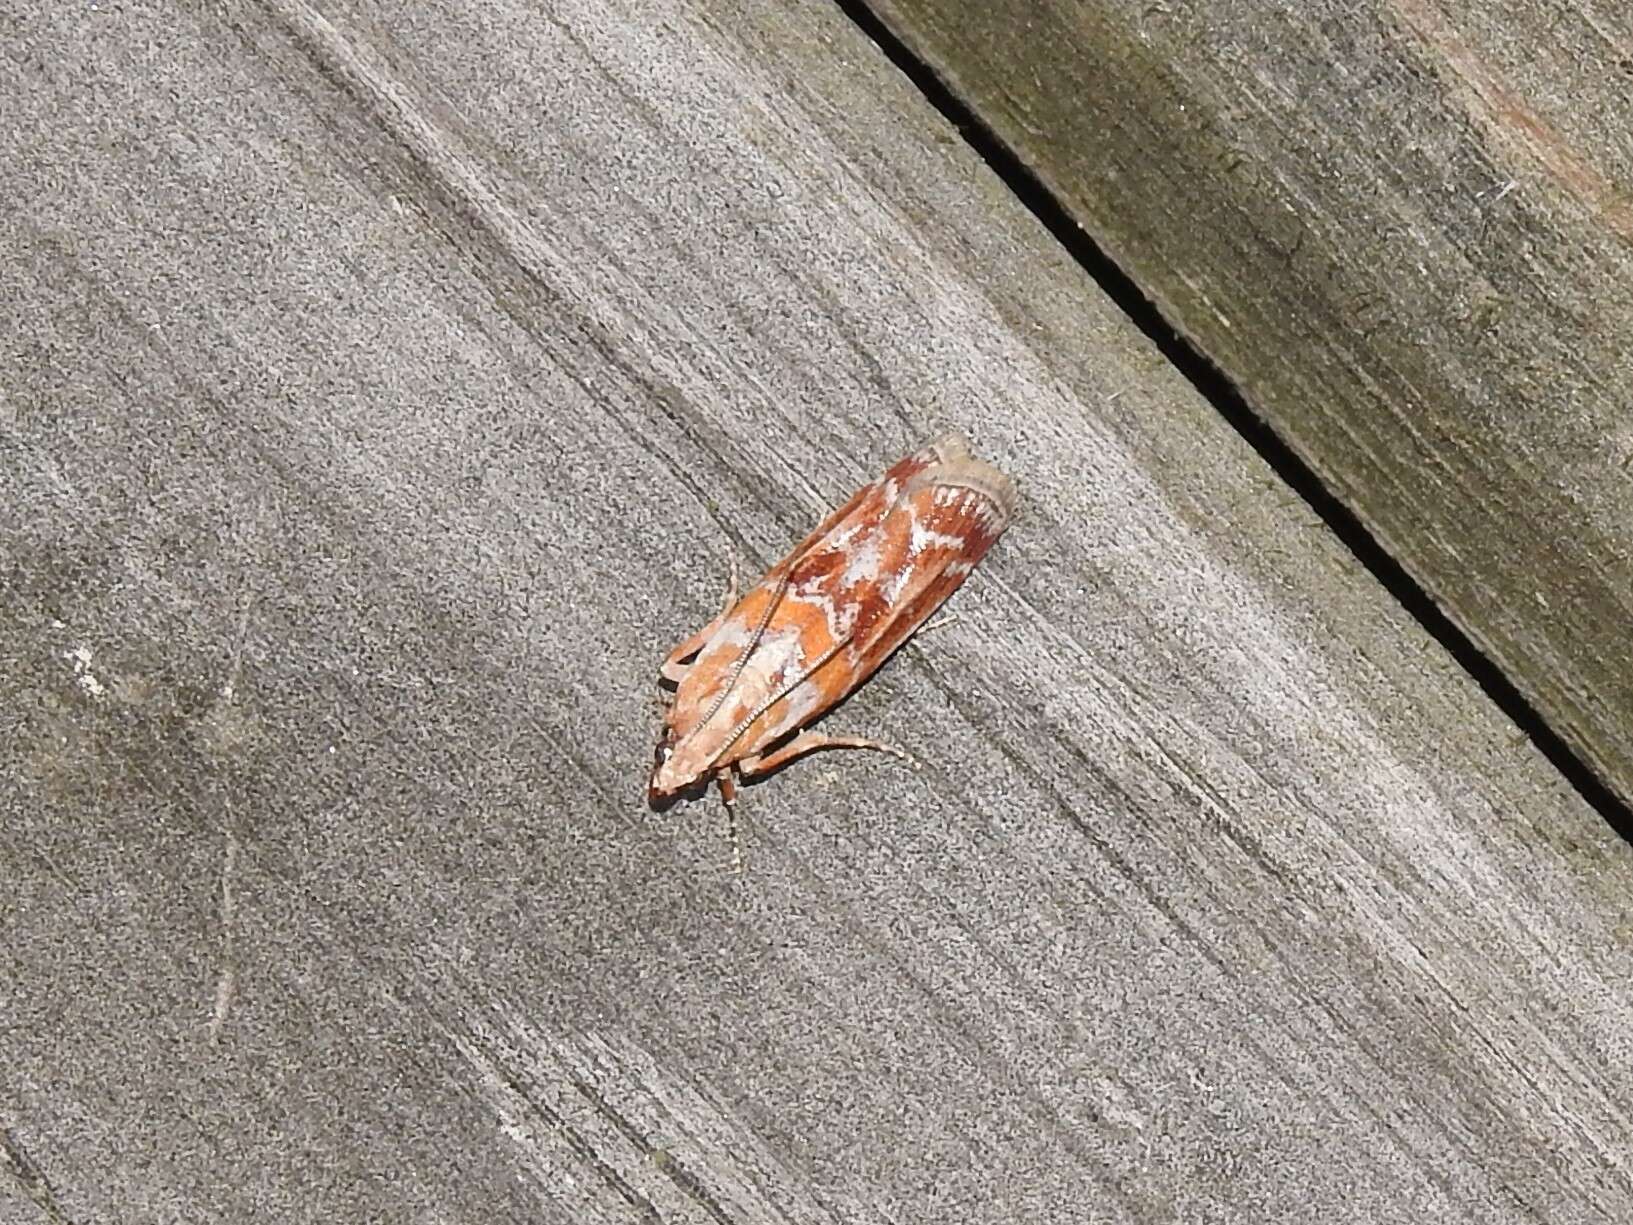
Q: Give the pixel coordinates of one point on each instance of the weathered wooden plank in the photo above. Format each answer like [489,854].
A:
[1405,230]
[390,393]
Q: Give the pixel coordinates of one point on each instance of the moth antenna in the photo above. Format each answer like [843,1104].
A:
[736,840]
[728,797]
[737,732]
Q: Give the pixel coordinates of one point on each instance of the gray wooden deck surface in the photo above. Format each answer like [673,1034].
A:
[386,392]
[1404,229]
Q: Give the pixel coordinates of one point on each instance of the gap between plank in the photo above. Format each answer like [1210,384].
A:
[1220,392]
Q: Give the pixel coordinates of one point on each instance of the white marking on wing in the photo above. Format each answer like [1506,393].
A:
[863,565]
[840,540]
[779,657]
[732,633]
[899,580]
[928,538]
[838,618]
[802,701]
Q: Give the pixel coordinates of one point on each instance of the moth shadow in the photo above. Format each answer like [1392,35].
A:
[663,803]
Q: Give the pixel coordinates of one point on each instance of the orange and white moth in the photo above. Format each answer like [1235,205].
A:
[748,684]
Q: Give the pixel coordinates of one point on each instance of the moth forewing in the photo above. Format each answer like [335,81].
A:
[826,617]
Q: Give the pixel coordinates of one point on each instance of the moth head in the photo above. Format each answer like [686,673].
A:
[667,777]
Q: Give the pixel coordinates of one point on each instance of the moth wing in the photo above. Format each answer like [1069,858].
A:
[947,510]
[720,654]
[948,518]
[859,585]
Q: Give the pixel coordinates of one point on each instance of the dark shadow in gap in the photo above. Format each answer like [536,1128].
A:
[1223,395]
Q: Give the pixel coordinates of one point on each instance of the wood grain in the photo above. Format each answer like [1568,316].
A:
[1403,228]
[390,390]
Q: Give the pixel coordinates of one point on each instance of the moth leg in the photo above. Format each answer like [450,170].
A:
[728,797]
[673,669]
[807,742]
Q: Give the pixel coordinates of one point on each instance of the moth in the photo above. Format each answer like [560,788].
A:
[747,686]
